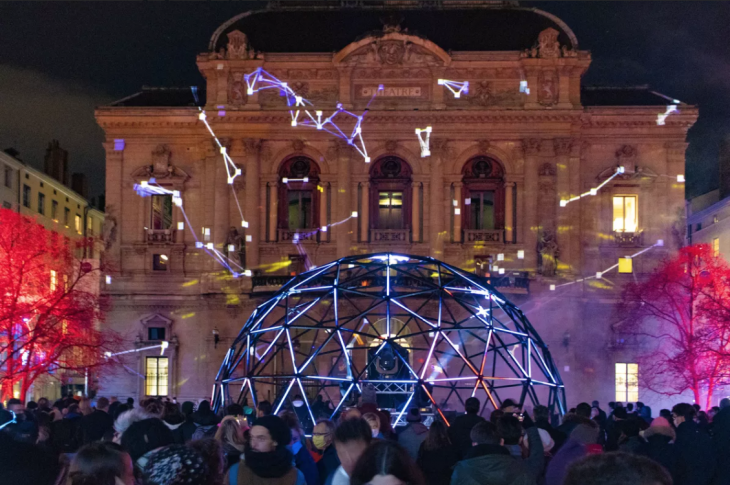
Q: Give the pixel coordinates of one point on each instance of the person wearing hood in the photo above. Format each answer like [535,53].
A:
[659,443]
[268,460]
[174,419]
[205,421]
[487,461]
[582,442]
[323,438]
[413,434]
[460,429]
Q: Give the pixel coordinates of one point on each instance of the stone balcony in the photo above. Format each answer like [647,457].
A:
[160,236]
[389,235]
[629,239]
[483,236]
[268,283]
[299,235]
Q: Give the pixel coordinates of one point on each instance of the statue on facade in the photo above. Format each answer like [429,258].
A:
[238,47]
[547,253]
[237,241]
[548,45]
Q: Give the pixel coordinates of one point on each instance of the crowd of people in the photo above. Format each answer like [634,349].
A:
[160,442]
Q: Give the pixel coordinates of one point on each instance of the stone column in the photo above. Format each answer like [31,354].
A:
[273,210]
[532,74]
[508,212]
[346,96]
[439,157]
[221,193]
[252,148]
[415,213]
[566,234]
[344,206]
[564,87]
[365,216]
[221,84]
[531,149]
[460,206]
[114,183]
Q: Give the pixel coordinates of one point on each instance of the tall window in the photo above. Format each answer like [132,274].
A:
[89,226]
[625,213]
[8,177]
[483,193]
[627,382]
[161,212]
[54,210]
[26,196]
[716,246]
[390,210]
[300,209]
[41,203]
[77,224]
[298,195]
[156,374]
[66,216]
[481,209]
[390,194]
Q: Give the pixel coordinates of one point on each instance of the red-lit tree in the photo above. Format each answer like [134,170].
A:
[681,316]
[49,306]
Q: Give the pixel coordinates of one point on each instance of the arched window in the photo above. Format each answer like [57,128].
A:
[298,194]
[483,180]
[390,195]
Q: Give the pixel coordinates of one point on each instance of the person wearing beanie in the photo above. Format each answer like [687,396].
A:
[176,465]
[267,461]
[413,434]
[581,443]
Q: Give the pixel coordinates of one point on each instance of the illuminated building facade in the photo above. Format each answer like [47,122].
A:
[498,194]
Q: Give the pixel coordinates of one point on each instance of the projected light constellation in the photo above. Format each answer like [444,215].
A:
[599,275]
[260,80]
[457,88]
[661,117]
[299,237]
[424,141]
[149,188]
[593,191]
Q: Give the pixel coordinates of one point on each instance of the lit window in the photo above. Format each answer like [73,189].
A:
[156,373]
[624,213]
[300,209]
[627,382]
[161,212]
[390,210]
[66,216]
[77,223]
[54,210]
[159,262]
[89,226]
[716,246]
[482,210]
[54,280]
[41,203]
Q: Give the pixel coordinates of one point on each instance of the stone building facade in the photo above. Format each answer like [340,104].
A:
[488,198]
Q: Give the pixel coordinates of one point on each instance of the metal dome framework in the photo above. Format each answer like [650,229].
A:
[451,334]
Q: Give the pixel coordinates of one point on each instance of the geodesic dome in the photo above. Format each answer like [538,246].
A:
[417,331]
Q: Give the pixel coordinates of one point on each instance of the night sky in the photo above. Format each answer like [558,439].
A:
[59,60]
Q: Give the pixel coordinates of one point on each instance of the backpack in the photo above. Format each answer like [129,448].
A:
[203,431]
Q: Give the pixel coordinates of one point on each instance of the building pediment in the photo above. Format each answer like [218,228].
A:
[161,168]
[393,49]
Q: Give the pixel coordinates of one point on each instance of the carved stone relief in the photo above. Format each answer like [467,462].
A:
[237,89]
[547,93]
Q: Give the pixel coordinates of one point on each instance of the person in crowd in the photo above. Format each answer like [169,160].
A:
[264,409]
[510,430]
[85,407]
[617,469]
[98,424]
[495,416]
[323,438]
[154,406]
[695,459]
[302,458]
[667,414]
[320,408]
[130,402]
[488,462]
[437,456]
[352,437]
[571,420]
[114,403]
[118,411]
[174,419]
[460,429]
[205,421]
[188,427]
[644,412]
[413,434]
[25,428]
[541,415]
[126,419]
[176,464]
[101,463]
[374,422]
[601,417]
[230,436]
[267,456]
[613,428]
[44,405]
[630,440]
[721,441]
[25,463]
[350,413]
[386,463]
[659,443]
[630,409]
[65,433]
[300,408]
[212,453]
[145,437]
[582,442]
[234,409]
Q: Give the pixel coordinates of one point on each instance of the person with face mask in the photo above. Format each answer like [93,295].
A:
[323,440]
[268,460]
[302,458]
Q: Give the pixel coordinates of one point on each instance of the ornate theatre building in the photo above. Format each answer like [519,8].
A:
[499,194]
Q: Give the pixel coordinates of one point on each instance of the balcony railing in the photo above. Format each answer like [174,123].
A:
[514,282]
[269,282]
[160,236]
[298,235]
[635,239]
[483,235]
[389,235]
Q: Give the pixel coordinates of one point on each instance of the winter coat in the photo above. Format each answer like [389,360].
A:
[240,474]
[570,452]
[659,447]
[411,438]
[305,463]
[437,465]
[94,426]
[492,465]
[634,445]
[205,424]
[721,444]
[231,453]
[460,431]
[328,463]
[558,436]
[696,463]
[66,434]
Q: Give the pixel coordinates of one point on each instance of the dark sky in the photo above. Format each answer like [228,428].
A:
[59,60]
